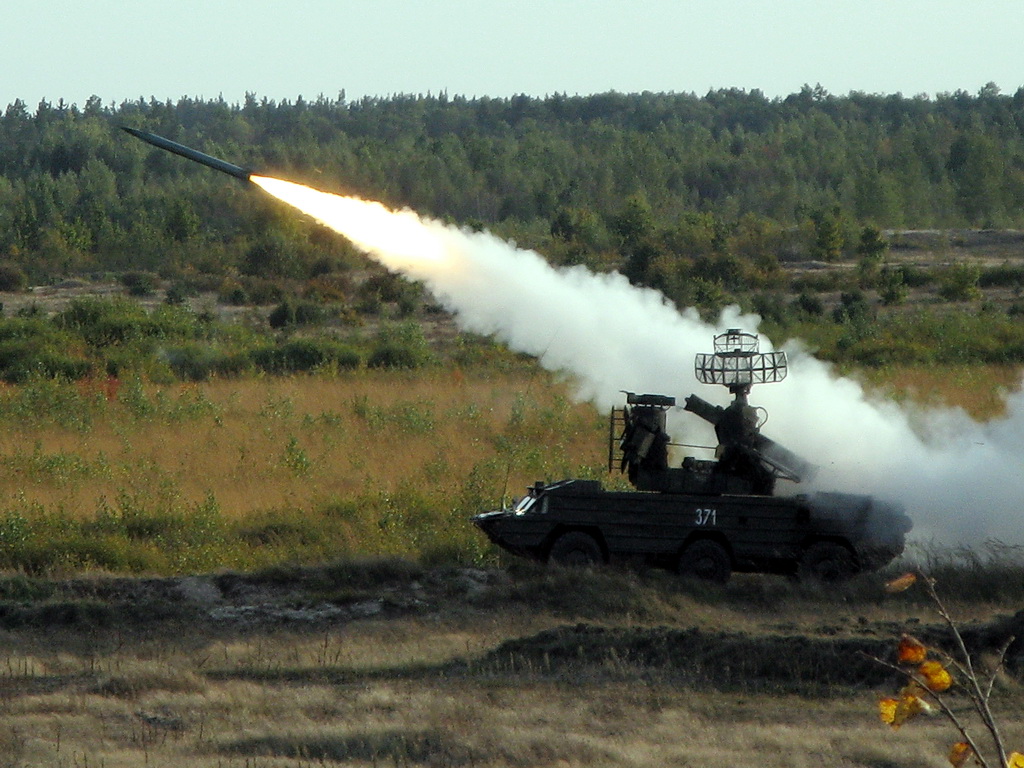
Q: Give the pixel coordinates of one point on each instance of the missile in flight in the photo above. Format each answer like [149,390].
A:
[192,154]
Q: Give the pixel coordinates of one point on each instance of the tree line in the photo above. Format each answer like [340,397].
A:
[685,192]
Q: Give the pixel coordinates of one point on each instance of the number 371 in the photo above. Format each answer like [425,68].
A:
[706,516]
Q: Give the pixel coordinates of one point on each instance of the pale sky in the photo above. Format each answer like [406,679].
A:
[114,49]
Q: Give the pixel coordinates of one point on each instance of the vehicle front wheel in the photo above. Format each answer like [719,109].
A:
[576,550]
[828,563]
[706,559]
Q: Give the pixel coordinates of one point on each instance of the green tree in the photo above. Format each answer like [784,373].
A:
[829,238]
[892,286]
[975,166]
[871,249]
[634,226]
[273,256]
[959,282]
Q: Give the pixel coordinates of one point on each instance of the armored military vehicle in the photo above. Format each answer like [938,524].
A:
[705,518]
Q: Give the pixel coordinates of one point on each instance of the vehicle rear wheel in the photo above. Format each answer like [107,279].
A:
[827,562]
[706,559]
[576,549]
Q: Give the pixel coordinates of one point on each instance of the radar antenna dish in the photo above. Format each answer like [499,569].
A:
[738,363]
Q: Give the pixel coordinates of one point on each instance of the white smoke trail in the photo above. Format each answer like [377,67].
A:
[963,482]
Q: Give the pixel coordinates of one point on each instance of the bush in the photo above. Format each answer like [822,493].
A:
[401,346]
[232,293]
[302,355]
[23,359]
[809,304]
[391,287]
[771,307]
[12,278]
[892,286]
[103,321]
[199,362]
[290,312]
[1003,276]
[329,287]
[820,281]
[275,256]
[959,282]
[250,290]
[139,283]
[853,308]
[391,355]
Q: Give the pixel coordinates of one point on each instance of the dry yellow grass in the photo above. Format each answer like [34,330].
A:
[244,473]
[277,700]
[979,389]
[260,444]
[271,443]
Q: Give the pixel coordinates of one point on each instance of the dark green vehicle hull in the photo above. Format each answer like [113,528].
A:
[766,534]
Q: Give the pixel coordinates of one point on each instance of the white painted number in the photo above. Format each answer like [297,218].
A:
[706,517]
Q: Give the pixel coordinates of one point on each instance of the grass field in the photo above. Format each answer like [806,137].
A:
[423,660]
[241,473]
[484,668]
[131,477]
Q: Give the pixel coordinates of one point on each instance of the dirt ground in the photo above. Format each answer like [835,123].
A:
[388,663]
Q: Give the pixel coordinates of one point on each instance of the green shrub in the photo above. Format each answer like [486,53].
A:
[959,282]
[391,287]
[892,286]
[12,278]
[200,362]
[290,312]
[771,307]
[1003,276]
[303,355]
[179,293]
[400,346]
[139,283]
[233,294]
[276,255]
[853,308]
[821,281]
[107,322]
[22,359]
[103,321]
[809,304]
[393,355]
[262,291]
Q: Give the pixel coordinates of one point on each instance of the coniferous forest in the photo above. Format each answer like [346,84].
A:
[633,178]
[707,198]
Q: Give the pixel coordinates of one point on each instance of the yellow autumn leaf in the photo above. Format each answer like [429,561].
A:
[1016,760]
[887,709]
[901,583]
[935,676]
[896,712]
[959,753]
[910,650]
[908,708]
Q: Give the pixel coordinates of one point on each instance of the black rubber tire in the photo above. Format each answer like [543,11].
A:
[576,549]
[827,562]
[706,559]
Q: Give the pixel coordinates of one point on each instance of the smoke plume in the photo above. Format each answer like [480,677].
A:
[961,481]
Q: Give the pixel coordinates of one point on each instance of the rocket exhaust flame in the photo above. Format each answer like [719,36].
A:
[961,481]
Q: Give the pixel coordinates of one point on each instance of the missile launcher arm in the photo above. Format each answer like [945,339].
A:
[736,428]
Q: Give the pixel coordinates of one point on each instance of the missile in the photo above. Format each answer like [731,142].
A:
[192,154]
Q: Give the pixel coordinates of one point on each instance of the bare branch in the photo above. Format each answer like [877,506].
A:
[1000,660]
[946,711]
[978,697]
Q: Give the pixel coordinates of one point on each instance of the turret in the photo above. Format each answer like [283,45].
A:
[746,461]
